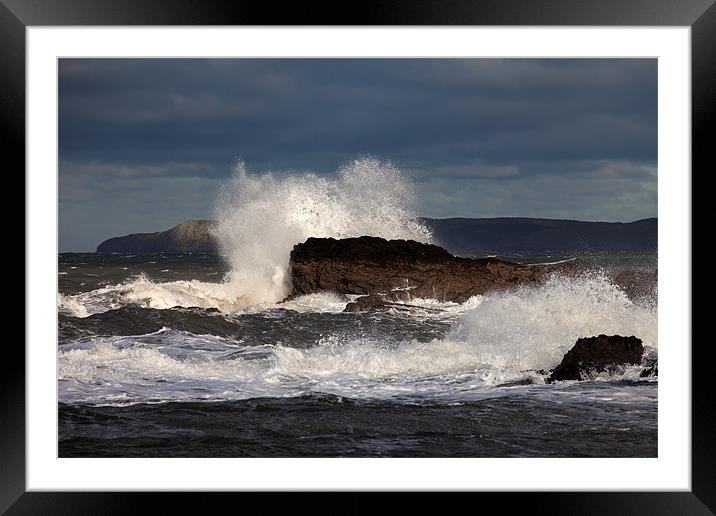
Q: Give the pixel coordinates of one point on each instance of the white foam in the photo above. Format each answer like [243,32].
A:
[144,292]
[533,326]
[446,307]
[177,366]
[69,305]
[323,302]
[499,338]
[553,263]
[261,218]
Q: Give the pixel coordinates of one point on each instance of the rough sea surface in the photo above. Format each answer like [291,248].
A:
[164,356]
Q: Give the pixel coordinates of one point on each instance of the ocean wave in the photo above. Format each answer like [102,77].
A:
[225,297]
[180,367]
[499,338]
[532,327]
[71,305]
[261,218]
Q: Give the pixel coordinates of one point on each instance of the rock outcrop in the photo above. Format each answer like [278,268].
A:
[597,354]
[189,236]
[399,270]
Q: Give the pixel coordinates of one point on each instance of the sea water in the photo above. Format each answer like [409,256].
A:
[197,355]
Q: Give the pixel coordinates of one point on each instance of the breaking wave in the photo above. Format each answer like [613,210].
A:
[497,338]
[260,219]
[532,327]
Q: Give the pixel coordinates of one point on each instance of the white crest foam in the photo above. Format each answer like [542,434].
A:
[261,218]
[500,337]
[532,327]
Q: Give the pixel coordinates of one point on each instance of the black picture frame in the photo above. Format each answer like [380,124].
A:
[700,15]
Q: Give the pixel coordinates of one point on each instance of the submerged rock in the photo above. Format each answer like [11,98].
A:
[649,372]
[365,303]
[400,270]
[597,354]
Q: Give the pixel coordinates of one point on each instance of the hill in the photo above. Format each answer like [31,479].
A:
[457,235]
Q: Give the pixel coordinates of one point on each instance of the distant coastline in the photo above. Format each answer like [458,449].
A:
[457,235]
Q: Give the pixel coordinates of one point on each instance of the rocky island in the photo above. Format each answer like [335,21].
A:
[386,271]
[190,236]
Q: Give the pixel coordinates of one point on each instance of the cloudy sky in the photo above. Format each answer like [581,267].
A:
[148,143]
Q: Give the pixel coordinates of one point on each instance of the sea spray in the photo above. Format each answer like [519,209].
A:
[495,338]
[261,218]
[69,305]
[531,327]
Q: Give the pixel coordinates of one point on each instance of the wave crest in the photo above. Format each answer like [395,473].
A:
[500,337]
[261,218]
[532,327]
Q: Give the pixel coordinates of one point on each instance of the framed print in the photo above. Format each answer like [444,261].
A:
[414,250]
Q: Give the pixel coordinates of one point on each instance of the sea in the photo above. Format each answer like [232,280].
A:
[198,355]
[151,363]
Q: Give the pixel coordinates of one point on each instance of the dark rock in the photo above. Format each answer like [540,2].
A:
[597,354]
[365,303]
[518,383]
[649,372]
[400,270]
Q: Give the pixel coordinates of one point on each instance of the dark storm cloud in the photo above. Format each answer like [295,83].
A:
[477,127]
